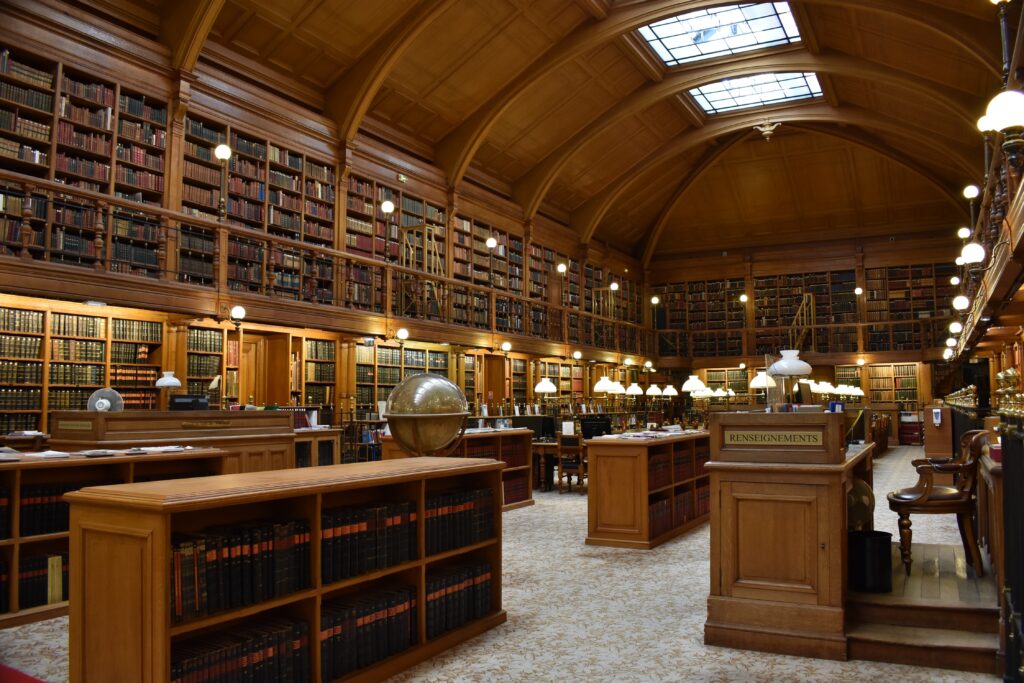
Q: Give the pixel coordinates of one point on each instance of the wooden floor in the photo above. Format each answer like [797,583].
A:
[939,573]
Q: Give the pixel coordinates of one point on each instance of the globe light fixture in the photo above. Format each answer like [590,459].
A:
[744,298]
[561,268]
[614,286]
[961,302]
[860,361]
[973,253]
[402,334]
[956,327]
[506,346]
[959,260]
[947,353]
[576,355]
[237,314]
[222,152]
[387,207]
[963,233]
[1005,111]
[491,243]
[951,342]
[743,366]
[648,364]
[985,124]
[655,300]
[955,280]
[858,290]
[971,192]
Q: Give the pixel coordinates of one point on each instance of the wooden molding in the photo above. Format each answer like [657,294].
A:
[184,27]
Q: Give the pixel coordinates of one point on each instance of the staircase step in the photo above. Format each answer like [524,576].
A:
[866,608]
[934,647]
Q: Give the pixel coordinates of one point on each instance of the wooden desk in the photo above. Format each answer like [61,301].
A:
[643,492]
[255,440]
[545,454]
[778,540]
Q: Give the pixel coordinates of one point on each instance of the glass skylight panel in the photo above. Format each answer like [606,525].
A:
[755,91]
[718,31]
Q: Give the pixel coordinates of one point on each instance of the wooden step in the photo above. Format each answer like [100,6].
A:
[934,647]
[863,608]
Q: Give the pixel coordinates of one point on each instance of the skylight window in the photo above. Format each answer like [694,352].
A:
[719,31]
[755,91]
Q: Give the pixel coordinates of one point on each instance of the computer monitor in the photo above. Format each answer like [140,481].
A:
[595,425]
[188,402]
[543,426]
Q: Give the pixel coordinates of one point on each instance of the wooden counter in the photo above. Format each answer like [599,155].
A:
[643,492]
[514,447]
[778,547]
[254,440]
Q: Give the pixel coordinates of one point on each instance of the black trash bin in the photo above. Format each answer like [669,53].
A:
[869,561]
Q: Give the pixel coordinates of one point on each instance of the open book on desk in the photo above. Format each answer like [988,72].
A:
[47,454]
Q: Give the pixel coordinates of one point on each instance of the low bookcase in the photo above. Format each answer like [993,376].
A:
[34,519]
[345,599]
[644,492]
[514,447]
[316,447]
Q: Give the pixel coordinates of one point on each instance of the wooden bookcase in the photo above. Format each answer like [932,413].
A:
[31,514]
[317,447]
[379,368]
[643,492]
[514,447]
[115,590]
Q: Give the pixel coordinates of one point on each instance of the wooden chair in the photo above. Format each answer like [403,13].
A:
[926,498]
[571,460]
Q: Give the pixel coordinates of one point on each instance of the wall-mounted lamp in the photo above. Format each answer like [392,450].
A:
[961,302]
[387,207]
[222,153]
[955,280]
[506,346]
[561,268]
[401,334]
[860,361]
[743,366]
[236,316]
[963,233]
[614,286]
[858,290]
[947,353]
[972,252]
[576,355]
[956,327]
[744,298]
[491,242]
[1005,113]
[655,300]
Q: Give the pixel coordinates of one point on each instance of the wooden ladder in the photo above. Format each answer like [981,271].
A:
[803,324]
[420,297]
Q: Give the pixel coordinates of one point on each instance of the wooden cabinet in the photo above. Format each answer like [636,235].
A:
[33,522]
[121,537]
[778,536]
[253,441]
[643,492]
[514,447]
[317,447]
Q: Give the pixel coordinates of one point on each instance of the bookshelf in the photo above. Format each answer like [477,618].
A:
[514,447]
[320,374]
[381,366]
[500,268]
[34,523]
[310,498]
[849,375]
[659,485]
[204,360]
[894,383]
[26,112]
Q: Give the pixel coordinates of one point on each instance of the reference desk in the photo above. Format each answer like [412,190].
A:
[778,531]
[645,491]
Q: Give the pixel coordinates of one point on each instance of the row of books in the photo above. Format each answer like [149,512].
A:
[516,488]
[12,346]
[18,320]
[458,518]
[24,72]
[226,568]
[42,507]
[210,341]
[62,373]
[358,631]
[271,650]
[42,580]
[20,372]
[456,596]
[77,325]
[360,540]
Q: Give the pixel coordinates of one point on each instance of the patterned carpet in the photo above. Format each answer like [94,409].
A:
[579,612]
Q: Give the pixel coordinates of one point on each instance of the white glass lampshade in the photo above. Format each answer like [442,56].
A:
[669,390]
[616,388]
[692,384]
[506,346]
[719,393]
[971,192]
[655,300]
[561,268]
[972,253]
[951,341]
[961,302]
[985,124]
[955,280]
[947,353]
[1006,110]
[387,207]
[704,392]
[237,313]
[860,361]
[730,392]
[614,286]
[576,355]
[761,381]
[491,243]
[790,365]
[744,298]
[857,391]
[545,386]
[956,327]
[634,389]
[402,333]
[168,381]
[222,152]
[602,384]
[959,260]
[653,390]
[963,233]
[858,290]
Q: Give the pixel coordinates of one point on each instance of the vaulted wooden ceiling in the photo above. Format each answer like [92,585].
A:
[561,106]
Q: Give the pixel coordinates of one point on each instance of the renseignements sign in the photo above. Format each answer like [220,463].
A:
[745,437]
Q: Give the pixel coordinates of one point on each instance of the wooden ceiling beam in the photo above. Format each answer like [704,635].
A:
[184,27]
[456,150]
[587,217]
[696,171]
[348,99]
[529,190]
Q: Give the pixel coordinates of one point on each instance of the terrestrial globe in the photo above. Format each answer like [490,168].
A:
[426,413]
